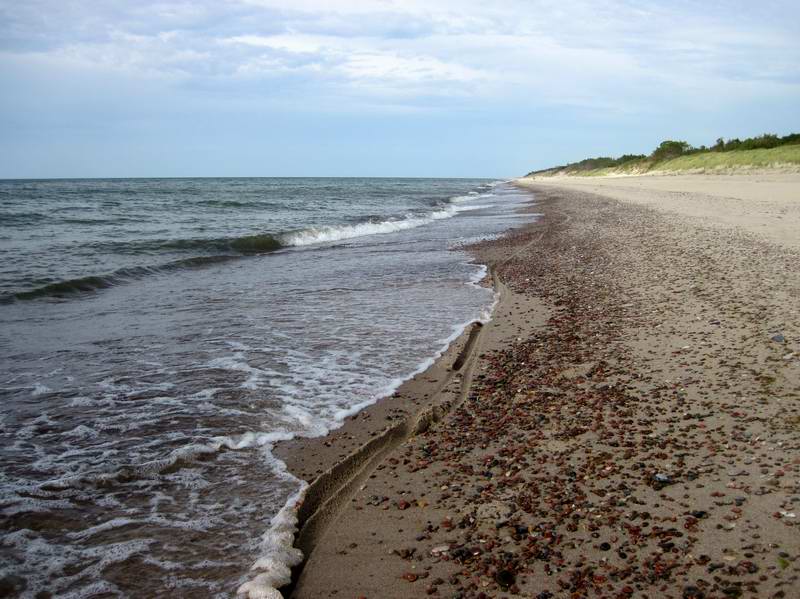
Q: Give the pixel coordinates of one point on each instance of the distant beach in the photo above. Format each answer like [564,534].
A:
[627,424]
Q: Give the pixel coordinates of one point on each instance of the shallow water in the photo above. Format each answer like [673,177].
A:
[158,336]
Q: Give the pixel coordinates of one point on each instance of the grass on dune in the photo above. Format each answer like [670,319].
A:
[704,161]
[763,151]
[783,155]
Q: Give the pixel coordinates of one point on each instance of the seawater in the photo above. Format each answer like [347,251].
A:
[160,335]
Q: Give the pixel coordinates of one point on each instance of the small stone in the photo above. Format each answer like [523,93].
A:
[692,592]
[505,578]
[552,391]
[406,553]
[778,338]
[11,585]
[714,567]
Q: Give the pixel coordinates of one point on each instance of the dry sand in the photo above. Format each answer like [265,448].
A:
[767,203]
[628,425]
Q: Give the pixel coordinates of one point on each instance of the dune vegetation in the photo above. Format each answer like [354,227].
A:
[764,151]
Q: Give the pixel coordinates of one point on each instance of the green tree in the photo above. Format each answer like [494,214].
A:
[670,149]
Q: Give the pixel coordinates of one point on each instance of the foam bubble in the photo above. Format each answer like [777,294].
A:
[251,439]
[277,552]
[472,195]
[82,432]
[40,389]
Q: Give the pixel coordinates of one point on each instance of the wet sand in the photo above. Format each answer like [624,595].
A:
[627,425]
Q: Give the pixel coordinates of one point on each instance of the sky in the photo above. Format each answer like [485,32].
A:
[429,88]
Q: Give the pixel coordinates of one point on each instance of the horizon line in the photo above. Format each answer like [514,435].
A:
[245,177]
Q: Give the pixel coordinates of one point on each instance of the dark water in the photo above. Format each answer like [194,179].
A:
[158,336]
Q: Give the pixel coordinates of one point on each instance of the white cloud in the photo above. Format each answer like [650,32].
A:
[357,61]
[299,43]
[547,51]
[414,69]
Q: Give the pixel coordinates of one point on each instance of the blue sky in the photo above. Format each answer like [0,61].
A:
[381,88]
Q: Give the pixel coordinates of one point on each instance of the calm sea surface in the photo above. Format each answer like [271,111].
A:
[157,336]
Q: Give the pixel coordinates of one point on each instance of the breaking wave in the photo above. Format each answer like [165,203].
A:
[236,247]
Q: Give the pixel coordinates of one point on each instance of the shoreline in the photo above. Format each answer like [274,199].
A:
[632,425]
[417,404]
[334,464]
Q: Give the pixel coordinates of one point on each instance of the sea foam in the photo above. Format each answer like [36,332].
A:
[324,234]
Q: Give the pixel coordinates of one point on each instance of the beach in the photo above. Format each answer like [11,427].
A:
[626,425]
[160,335]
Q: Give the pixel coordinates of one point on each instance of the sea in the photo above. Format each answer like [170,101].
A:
[159,336]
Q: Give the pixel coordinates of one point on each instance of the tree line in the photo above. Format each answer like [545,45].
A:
[669,149]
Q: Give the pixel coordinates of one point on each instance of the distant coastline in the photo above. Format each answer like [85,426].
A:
[764,151]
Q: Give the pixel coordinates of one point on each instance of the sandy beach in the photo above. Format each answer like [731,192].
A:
[766,203]
[627,425]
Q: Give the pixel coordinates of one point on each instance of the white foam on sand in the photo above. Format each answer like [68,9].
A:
[277,554]
[273,569]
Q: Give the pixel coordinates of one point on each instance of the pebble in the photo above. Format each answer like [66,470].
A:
[612,475]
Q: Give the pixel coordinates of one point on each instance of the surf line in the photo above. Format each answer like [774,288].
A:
[331,491]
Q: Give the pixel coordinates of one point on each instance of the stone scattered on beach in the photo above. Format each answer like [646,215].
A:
[505,578]
[631,447]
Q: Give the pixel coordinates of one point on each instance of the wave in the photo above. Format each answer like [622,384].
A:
[22,218]
[255,204]
[247,244]
[237,246]
[323,234]
[264,243]
[97,282]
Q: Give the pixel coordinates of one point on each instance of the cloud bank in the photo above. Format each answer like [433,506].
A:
[294,70]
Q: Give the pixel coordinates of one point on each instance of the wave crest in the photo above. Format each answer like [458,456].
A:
[238,246]
[323,234]
[96,282]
